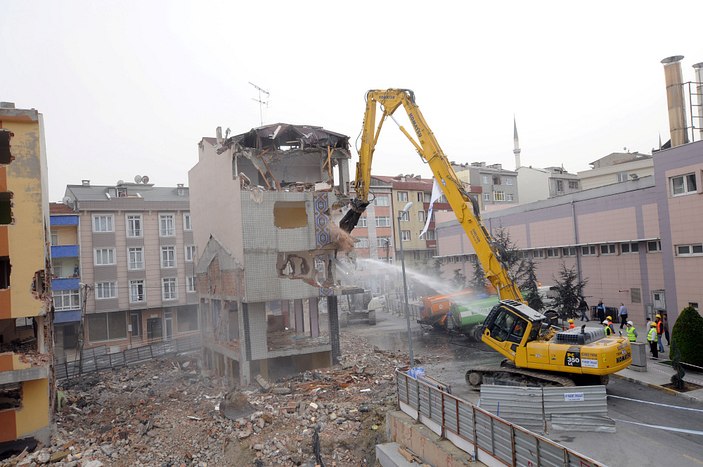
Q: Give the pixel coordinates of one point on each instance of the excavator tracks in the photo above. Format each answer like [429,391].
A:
[508,375]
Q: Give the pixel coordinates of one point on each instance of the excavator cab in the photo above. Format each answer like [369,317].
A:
[511,325]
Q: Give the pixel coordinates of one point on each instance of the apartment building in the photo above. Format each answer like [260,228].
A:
[266,205]
[499,187]
[137,262]
[26,341]
[637,242]
[538,184]
[616,167]
[374,232]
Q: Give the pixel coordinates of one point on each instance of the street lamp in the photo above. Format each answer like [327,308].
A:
[405,283]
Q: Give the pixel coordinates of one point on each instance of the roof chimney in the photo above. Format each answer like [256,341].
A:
[675,100]
[698,67]
[85,182]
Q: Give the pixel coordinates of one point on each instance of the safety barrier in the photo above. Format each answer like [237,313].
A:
[99,358]
[487,437]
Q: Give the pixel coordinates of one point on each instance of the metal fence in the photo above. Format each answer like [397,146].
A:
[583,408]
[487,437]
[99,358]
[397,307]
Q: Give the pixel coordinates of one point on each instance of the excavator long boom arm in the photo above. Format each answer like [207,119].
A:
[464,206]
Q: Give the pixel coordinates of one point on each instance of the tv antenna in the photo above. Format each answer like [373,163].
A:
[261,101]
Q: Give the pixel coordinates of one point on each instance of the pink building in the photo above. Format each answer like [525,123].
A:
[638,242]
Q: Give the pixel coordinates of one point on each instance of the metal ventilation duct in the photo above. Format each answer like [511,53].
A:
[675,100]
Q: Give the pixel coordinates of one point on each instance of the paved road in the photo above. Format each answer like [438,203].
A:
[646,434]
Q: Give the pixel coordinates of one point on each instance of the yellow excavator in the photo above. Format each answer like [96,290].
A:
[536,353]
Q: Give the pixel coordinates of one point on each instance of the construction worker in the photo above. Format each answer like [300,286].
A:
[652,339]
[606,327]
[660,332]
[571,324]
[610,323]
[631,332]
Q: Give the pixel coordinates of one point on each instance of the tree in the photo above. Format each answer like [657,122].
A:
[686,336]
[530,286]
[509,255]
[569,290]
[459,279]
[478,279]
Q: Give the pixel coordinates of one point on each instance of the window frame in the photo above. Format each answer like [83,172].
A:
[377,198]
[174,292]
[189,258]
[187,222]
[589,250]
[164,229]
[111,255]
[66,294]
[386,221]
[132,284]
[100,290]
[498,195]
[166,262]
[129,220]
[109,219]
[130,263]
[608,249]
[694,249]
[191,284]
[404,216]
[629,248]
[403,236]
[402,196]
[686,189]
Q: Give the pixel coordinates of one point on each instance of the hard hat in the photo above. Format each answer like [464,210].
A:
[606,322]
[658,316]
[571,320]
[652,325]
[630,323]
[608,318]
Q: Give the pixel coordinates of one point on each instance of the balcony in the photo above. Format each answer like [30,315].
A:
[65,251]
[65,283]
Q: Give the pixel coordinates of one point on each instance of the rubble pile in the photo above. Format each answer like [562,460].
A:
[166,413]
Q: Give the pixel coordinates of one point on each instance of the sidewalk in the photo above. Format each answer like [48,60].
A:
[658,374]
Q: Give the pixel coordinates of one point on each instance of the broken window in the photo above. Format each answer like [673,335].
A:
[10,396]
[290,214]
[5,268]
[187,319]
[6,208]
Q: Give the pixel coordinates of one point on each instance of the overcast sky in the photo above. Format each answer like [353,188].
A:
[129,87]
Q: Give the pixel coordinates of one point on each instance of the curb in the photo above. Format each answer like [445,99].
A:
[658,387]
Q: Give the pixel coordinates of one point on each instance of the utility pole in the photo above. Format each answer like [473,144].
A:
[81,328]
[260,101]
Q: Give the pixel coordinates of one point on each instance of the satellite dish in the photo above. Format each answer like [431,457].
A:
[137,179]
[145,179]
[67,200]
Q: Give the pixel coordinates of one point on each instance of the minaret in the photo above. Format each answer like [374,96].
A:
[516,141]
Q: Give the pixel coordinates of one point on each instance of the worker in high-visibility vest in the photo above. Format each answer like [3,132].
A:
[606,327]
[571,324]
[631,332]
[653,340]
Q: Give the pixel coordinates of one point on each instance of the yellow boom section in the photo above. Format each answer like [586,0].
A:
[465,208]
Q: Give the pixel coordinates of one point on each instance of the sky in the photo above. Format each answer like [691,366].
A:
[130,87]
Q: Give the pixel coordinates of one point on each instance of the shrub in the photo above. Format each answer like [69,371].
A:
[686,336]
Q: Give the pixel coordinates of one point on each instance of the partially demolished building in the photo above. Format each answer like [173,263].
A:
[264,206]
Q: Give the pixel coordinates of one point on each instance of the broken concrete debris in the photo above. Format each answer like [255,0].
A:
[164,413]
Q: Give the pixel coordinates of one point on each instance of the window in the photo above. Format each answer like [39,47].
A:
[66,300]
[420,196]
[168,257]
[635,295]
[538,253]
[136,324]
[381,200]
[588,250]
[430,235]
[509,181]
[689,250]
[427,198]
[137,291]
[629,247]
[107,326]
[552,252]
[363,222]
[383,221]
[167,225]
[383,242]
[105,290]
[510,197]
[134,225]
[683,184]
[362,242]
[568,251]
[498,196]
[486,196]
[402,196]
[103,223]
[404,216]
[496,179]
[622,176]
[135,258]
[654,246]
[187,225]
[421,216]
[485,179]
[54,237]
[405,235]
[560,186]
[190,284]
[573,184]
[187,319]
[104,256]
[608,249]
[169,288]
[190,253]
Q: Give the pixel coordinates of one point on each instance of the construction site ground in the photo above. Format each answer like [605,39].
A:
[167,413]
